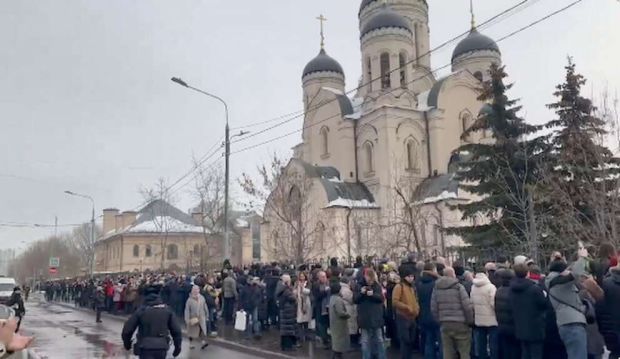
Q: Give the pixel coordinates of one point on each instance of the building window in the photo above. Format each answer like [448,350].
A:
[136,251]
[325,141]
[478,75]
[466,123]
[402,62]
[385,70]
[172,252]
[412,154]
[369,73]
[196,250]
[148,252]
[320,236]
[436,235]
[368,157]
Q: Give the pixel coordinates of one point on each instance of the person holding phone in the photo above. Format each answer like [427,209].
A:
[369,299]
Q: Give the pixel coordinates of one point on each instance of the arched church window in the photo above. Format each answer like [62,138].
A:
[325,140]
[172,252]
[385,70]
[478,75]
[295,203]
[148,251]
[136,250]
[369,73]
[466,123]
[320,236]
[436,235]
[411,148]
[368,157]
[402,63]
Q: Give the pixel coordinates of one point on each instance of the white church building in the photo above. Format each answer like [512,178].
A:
[374,173]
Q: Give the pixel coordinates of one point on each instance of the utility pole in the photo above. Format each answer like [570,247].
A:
[226,181]
[92,241]
[92,227]
[227,137]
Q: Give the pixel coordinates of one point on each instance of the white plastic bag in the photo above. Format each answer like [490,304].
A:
[241,321]
[312,325]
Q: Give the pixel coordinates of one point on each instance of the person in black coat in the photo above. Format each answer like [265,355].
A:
[529,301]
[17,303]
[320,302]
[271,282]
[288,313]
[509,346]
[250,299]
[428,325]
[611,287]
[155,323]
[369,300]
[99,303]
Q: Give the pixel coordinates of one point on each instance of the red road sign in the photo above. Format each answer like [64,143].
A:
[53,270]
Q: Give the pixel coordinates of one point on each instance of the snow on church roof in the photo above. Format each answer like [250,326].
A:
[340,194]
[437,189]
[164,224]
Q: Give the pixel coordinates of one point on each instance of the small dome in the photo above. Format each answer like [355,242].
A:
[322,62]
[475,41]
[385,18]
[365,3]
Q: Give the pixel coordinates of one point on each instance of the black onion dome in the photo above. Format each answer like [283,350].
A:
[365,3]
[322,62]
[475,41]
[385,18]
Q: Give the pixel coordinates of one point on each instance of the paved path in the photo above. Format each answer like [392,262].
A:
[64,333]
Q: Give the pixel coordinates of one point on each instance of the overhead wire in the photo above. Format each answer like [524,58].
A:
[546,17]
[302,113]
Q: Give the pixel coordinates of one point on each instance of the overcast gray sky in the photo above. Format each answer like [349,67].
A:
[86,103]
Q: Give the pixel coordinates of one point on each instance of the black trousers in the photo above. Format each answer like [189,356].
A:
[99,314]
[153,354]
[229,310]
[509,346]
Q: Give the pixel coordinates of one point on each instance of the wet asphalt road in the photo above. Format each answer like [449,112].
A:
[63,333]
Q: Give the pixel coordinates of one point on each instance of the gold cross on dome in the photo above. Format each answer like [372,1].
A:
[322,19]
[471,10]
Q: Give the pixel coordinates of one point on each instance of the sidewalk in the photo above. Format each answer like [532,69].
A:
[267,347]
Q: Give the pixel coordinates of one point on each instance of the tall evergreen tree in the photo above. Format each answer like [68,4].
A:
[582,174]
[499,175]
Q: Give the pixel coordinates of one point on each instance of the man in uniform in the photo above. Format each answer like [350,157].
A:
[156,324]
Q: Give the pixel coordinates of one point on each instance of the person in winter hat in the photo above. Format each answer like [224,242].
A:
[427,324]
[529,304]
[569,309]
[406,307]
[509,346]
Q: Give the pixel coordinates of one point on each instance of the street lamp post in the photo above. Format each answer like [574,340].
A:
[227,159]
[92,226]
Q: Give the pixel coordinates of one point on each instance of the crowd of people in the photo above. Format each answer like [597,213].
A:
[502,309]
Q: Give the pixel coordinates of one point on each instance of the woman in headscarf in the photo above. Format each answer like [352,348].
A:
[196,317]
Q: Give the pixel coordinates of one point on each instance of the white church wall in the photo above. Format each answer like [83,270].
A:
[457,95]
